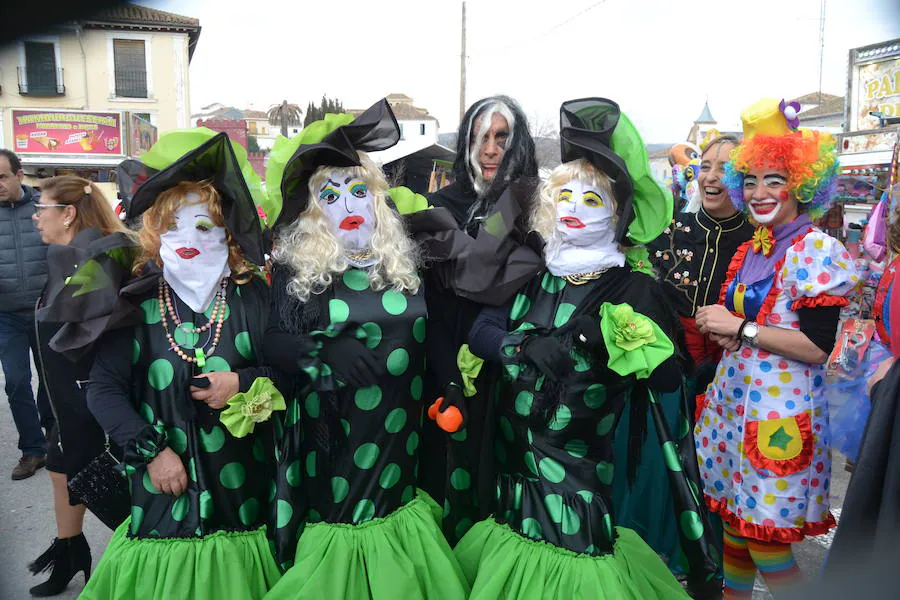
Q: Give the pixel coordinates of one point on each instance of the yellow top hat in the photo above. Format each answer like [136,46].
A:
[764,117]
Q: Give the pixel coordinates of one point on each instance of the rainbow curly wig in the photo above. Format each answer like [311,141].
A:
[809,158]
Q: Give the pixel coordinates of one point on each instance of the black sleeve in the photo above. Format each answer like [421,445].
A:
[109,393]
[488,331]
[820,324]
[256,298]
[282,349]
[447,330]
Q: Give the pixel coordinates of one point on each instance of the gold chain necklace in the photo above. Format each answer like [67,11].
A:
[582,278]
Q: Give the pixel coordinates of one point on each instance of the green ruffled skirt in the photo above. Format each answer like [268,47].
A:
[224,564]
[403,555]
[499,563]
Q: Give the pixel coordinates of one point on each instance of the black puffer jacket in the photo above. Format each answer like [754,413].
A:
[23,256]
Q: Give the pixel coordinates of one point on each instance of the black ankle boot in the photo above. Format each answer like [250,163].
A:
[64,558]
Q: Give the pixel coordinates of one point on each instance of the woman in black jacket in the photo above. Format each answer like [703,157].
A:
[77,221]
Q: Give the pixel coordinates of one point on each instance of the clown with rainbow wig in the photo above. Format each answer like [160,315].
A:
[762,427]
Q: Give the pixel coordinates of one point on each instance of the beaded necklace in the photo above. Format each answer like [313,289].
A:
[218,316]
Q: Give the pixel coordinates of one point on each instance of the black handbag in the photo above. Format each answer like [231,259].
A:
[103,489]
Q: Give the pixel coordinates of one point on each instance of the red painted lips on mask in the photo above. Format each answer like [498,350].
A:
[352,222]
[572,222]
[187,253]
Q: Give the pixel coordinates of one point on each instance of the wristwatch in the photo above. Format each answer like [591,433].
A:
[749,332]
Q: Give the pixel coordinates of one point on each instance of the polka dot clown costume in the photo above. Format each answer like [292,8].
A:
[199,533]
[348,325]
[579,343]
[762,428]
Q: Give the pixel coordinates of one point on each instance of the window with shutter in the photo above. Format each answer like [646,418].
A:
[40,68]
[131,68]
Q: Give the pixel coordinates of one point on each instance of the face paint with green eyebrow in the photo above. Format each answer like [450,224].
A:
[194,255]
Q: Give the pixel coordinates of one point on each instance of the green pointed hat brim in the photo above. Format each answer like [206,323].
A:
[652,203]
[407,201]
[285,148]
[335,141]
[174,144]
[201,154]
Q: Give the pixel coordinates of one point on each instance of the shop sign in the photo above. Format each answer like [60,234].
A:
[877,90]
[142,135]
[68,132]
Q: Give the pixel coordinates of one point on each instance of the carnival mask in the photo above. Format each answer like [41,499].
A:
[194,253]
[585,214]
[350,207]
[585,228]
[766,195]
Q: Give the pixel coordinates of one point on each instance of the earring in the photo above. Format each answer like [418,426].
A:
[67,224]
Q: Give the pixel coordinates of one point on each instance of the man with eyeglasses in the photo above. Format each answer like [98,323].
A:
[23,271]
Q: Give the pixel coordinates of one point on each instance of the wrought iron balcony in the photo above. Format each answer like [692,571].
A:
[41,82]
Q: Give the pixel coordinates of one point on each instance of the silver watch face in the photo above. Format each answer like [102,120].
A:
[751,330]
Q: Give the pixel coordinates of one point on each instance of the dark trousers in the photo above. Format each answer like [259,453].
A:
[17,336]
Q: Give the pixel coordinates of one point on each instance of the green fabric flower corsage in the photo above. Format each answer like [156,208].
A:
[246,409]
[469,367]
[639,259]
[636,344]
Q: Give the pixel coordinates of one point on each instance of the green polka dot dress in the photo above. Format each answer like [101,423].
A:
[229,478]
[369,468]
[556,468]
[346,483]
[555,464]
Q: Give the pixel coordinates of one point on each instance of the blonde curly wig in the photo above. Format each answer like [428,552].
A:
[310,248]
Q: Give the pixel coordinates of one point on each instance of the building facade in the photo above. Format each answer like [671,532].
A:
[89,93]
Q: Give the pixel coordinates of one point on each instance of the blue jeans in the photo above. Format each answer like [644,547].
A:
[17,336]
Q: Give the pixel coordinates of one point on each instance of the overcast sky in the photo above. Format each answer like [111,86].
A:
[657,58]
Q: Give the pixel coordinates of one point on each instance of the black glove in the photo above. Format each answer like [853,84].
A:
[351,360]
[454,397]
[587,335]
[549,355]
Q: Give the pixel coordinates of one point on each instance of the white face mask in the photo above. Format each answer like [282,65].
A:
[194,254]
[585,231]
[350,207]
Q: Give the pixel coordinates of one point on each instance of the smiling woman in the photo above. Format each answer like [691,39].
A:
[763,457]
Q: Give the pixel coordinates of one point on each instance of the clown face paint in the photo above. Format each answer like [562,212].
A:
[585,214]
[585,231]
[194,254]
[351,209]
[767,197]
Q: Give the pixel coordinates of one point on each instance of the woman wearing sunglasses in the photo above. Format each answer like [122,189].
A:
[77,221]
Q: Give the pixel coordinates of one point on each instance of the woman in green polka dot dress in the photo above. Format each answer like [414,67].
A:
[348,324]
[200,484]
[578,343]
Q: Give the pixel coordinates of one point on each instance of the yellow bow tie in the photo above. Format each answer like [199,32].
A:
[763,241]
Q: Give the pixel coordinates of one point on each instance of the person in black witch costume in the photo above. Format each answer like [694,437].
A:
[495,177]
[579,343]
[348,324]
[78,303]
[184,392]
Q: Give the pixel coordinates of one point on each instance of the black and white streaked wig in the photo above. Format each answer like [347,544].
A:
[518,159]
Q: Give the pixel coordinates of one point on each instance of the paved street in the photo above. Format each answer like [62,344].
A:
[27,526]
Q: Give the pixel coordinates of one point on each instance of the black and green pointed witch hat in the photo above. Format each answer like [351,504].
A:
[596,129]
[335,141]
[199,154]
